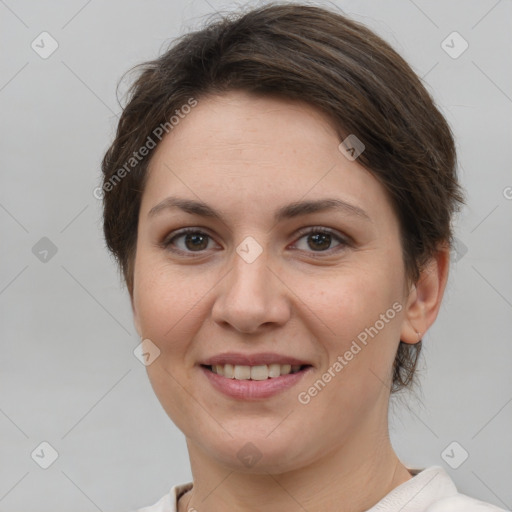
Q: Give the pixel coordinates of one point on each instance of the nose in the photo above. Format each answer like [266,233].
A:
[251,297]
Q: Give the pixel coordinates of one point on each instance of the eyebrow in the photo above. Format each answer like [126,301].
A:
[288,211]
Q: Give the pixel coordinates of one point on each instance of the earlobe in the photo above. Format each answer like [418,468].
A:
[424,300]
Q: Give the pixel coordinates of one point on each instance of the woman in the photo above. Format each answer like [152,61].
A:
[279,196]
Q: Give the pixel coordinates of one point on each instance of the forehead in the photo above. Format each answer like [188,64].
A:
[238,118]
[257,150]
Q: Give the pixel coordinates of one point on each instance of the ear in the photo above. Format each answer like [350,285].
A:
[425,297]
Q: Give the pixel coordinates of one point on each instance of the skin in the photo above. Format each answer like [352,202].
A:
[246,156]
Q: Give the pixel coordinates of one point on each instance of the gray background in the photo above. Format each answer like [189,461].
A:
[68,375]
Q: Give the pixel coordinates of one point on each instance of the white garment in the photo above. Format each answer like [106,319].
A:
[430,490]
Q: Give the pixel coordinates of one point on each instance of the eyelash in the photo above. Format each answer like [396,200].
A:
[344,241]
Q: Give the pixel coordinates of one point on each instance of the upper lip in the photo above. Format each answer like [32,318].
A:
[237,358]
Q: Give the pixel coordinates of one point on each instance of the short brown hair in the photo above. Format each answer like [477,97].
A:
[335,64]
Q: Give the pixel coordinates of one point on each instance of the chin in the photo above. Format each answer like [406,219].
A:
[257,454]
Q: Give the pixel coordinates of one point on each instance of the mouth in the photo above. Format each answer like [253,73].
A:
[253,377]
[257,372]
[260,366]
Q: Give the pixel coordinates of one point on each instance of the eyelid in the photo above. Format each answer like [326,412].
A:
[166,242]
[344,240]
[322,229]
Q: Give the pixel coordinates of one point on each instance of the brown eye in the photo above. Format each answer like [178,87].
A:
[196,241]
[187,241]
[320,240]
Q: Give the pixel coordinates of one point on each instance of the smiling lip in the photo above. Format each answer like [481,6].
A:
[253,389]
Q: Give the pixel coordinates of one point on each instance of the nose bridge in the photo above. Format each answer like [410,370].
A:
[250,295]
[250,275]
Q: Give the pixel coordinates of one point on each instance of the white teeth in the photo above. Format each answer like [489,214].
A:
[274,370]
[257,372]
[286,369]
[242,372]
[228,371]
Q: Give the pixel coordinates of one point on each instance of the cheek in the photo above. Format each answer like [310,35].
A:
[167,301]
[168,307]
[344,303]
[357,317]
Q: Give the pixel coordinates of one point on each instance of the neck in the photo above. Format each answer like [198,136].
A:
[351,478]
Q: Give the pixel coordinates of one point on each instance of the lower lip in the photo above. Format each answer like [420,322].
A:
[253,389]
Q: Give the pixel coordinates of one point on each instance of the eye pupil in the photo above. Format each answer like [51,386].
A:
[323,238]
[196,240]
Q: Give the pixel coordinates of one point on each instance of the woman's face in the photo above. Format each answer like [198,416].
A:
[266,281]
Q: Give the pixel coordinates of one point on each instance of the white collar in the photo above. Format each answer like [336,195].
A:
[415,495]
